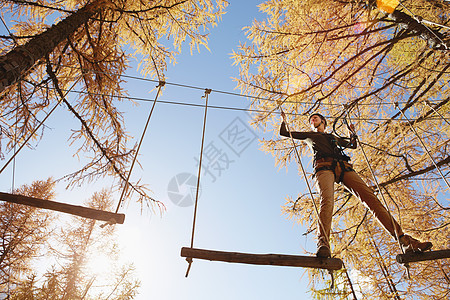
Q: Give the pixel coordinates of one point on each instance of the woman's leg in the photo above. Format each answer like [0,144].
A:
[365,193]
[358,187]
[325,187]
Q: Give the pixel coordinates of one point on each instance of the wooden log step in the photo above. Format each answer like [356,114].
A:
[85,212]
[422,256]
[263,259]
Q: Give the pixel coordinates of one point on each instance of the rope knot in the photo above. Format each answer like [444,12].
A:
[207,92]
[111,221]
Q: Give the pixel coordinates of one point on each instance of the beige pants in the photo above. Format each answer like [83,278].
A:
[325,184]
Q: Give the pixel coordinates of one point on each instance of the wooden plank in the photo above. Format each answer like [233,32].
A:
[263,259]
[81,211]
[422,256]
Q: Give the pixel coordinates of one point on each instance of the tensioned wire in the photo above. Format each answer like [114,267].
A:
[172,102]
[238,95]
[233,108]
[188,86]
[372,172]
[245,109]
[239,108]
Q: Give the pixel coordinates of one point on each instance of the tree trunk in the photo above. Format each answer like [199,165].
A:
[21,59]
[434,38]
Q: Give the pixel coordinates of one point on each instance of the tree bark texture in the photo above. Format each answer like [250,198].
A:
[434,38]
[21,59]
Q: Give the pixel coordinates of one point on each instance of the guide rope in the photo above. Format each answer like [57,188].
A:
[13,175]
[125,187]
[349,281]
[299,161]
[345,115]
[423,144]
[219,91]
[189,259]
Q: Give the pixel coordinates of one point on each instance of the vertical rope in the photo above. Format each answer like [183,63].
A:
[189,259]
[350,282]
[299,161]
[381,193]
[15,148]
[9,32]
[125,187]
[378,187]
[383,267]
[423,144]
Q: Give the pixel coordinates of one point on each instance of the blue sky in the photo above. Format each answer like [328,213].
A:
[239,208]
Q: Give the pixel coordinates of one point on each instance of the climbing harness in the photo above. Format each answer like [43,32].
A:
[337,166]
[338,161]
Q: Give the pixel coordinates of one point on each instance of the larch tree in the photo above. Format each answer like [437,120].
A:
[387,70]
[83,263]
[57,45]
[24,231]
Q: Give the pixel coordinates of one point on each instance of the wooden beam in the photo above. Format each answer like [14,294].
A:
[81,211]
[422,256]
[263,259]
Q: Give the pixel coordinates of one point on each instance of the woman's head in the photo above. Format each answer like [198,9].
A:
[316,120]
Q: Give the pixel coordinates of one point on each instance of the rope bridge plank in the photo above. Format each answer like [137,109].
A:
[263,259]
[85,212]
[422,256]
